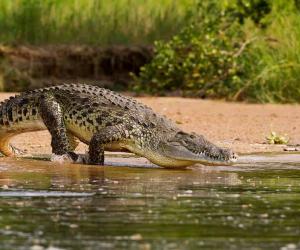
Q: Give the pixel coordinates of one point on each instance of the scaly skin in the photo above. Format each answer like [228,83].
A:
[104,120]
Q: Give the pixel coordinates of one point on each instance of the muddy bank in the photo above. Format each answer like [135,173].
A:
[23,68]
[240,126]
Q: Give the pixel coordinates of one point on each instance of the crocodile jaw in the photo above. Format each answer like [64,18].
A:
[181,160]
[179,155]
[172,162]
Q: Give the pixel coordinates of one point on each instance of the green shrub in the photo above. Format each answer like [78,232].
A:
[256,60]
[202,60]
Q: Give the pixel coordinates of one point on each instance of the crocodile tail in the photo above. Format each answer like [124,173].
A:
[6,116]
[18,114]
[5,148]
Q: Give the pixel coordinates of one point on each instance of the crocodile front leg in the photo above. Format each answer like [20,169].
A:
[52,115]
[98,141]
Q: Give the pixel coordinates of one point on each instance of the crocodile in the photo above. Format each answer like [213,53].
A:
[105,121]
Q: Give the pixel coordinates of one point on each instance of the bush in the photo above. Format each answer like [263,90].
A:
[205,59]
[255,58]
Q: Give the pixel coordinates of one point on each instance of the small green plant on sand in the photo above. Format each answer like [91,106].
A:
[275,138]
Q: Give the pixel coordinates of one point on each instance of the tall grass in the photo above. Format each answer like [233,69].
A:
[92,21]
[274,68]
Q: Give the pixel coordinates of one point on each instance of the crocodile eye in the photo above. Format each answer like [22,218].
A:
[181,133]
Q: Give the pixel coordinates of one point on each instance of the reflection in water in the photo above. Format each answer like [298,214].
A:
[43,204]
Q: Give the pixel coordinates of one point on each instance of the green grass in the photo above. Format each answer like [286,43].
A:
[274,71]
[92,21]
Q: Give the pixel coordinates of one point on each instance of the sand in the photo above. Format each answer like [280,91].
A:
[240,126]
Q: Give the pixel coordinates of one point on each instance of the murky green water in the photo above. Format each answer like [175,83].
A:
[252,205]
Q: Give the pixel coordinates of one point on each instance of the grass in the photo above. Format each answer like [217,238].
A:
[92,22]
[275,65]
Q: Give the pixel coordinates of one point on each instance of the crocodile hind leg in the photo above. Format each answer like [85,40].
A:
[96,147]
[52,116]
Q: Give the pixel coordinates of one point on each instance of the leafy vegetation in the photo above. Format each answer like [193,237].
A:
[275,138]
[203,60]
[236,50]
[256,10]
[255,58]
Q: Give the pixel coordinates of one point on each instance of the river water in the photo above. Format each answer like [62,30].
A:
[254,204]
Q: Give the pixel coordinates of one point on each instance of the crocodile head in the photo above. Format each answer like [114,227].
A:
[183,149]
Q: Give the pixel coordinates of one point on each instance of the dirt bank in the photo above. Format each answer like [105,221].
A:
[240,126]
[28,67]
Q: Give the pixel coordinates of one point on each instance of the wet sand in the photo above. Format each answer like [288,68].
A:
[240,126]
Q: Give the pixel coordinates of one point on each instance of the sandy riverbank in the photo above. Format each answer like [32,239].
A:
[240,126]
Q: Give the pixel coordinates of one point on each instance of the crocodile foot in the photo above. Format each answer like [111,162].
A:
[69,157]
[17,151]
